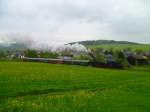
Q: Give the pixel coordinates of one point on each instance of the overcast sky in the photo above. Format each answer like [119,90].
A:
[75,20]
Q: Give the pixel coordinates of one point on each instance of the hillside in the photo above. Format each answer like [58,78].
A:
[98,42]
[11,47]
[112,44]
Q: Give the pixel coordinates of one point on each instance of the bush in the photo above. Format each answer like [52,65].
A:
[31,53]
[48,55]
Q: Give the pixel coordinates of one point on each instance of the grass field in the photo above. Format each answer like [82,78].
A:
[145,47]
[41,87]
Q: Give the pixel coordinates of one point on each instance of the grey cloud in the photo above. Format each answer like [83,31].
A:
[67,20]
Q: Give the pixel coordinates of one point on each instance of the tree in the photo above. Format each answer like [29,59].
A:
[97,54]
[2,55]
[48,55]
[119,55]
[31,53]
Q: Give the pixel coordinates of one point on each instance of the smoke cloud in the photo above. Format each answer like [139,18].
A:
[30,43]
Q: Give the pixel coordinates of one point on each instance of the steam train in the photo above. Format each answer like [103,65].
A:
[93,63]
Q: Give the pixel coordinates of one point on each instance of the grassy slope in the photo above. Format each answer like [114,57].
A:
[36,87]
[122,46]
[12,47]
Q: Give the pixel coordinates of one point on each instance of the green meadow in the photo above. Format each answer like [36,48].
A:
[144,47]
[43,87]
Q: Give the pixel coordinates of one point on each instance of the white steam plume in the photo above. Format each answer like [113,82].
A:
[30,43]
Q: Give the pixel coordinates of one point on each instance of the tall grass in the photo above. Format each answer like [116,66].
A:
[36,87]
